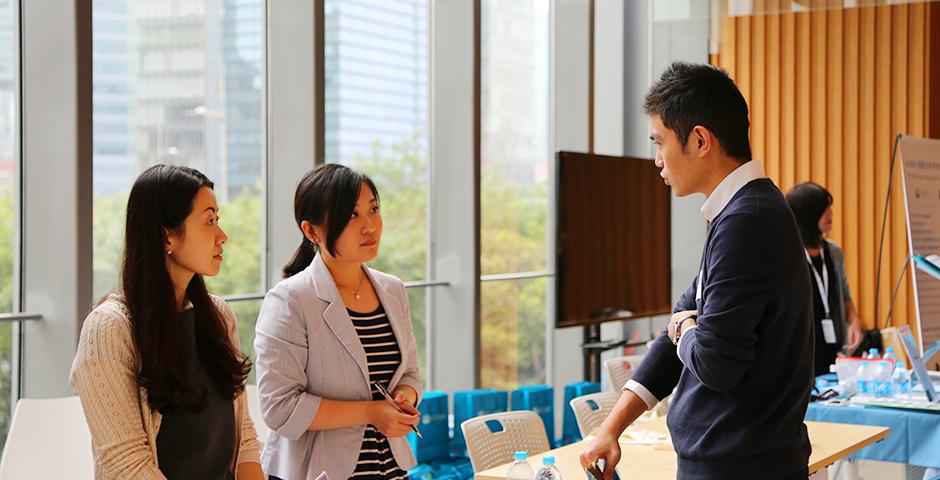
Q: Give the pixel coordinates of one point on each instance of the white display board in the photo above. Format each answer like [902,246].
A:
[920,168]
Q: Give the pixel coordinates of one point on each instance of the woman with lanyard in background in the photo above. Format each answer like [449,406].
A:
[837,324]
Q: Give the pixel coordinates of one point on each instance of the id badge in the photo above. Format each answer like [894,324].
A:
[829,331]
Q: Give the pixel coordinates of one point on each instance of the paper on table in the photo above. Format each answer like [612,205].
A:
[638,436]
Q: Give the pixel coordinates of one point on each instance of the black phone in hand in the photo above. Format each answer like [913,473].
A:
[596,470]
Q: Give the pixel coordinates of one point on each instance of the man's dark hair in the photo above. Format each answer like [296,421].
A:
[687,95]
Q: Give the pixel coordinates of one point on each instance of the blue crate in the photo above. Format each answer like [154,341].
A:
[474,403]
[459,467]
[464,468]
[570,432]
[436,442]
[539,399]
[421,472]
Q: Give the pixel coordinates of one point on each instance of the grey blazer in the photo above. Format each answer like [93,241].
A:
[842,294]
[308,350]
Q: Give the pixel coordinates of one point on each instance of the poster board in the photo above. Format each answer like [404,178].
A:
[920,168]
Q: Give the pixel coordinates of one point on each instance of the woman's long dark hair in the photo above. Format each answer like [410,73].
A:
[809,201]
[326,196]
[161,199]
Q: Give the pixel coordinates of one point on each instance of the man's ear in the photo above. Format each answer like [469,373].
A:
[702,139]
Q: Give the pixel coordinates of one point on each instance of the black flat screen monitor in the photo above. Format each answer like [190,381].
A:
[613,239]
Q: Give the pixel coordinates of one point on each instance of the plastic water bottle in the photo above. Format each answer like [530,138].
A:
[520,469]
[872,354]
[548,471]
[889,355]
[882,379]
[902,382]
[863,378]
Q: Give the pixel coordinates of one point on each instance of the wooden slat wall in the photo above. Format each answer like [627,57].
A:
[828,91]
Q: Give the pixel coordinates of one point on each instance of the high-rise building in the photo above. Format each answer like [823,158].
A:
[377,76]
[9,77]
[515,96]
[243,60]
[113,52]
[178,81]
[179,86]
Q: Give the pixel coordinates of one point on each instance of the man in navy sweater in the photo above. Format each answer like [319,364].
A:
[739,348]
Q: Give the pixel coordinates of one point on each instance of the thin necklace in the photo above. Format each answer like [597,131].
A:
[359,287]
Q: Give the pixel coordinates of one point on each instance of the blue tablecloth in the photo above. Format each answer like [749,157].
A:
[914,437]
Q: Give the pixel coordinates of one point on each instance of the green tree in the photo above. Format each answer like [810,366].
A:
[7,236]
[512,336]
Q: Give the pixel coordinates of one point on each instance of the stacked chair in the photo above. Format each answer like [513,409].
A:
[488,425]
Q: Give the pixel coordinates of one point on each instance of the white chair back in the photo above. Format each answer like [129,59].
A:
[492,439]
[621,368]
[48,438]
[591,410]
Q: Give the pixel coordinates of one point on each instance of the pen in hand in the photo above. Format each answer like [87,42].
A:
[381,388]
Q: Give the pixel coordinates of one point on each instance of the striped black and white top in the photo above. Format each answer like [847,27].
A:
[384,356]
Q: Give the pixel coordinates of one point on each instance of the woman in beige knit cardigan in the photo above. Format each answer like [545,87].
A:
[158,368]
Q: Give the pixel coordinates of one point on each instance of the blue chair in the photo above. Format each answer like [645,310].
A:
[570,432]
[539,399]
[436,442]
[473,403]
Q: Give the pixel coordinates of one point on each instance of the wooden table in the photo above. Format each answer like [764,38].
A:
[830,441]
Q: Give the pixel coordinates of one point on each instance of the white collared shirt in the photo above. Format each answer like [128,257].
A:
[741,176]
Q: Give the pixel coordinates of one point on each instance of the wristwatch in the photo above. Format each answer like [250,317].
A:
[678,331]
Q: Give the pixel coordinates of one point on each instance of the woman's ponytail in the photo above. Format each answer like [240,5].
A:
[301,259]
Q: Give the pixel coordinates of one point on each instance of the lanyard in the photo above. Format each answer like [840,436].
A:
[822,283]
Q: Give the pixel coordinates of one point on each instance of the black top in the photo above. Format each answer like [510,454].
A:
[376,461]
[825,353]
[197,444]
[745,374]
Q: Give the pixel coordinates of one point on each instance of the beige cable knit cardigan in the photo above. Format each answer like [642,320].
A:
[123,427]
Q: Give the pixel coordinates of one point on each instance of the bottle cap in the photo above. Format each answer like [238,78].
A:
[548,460]
[521,455]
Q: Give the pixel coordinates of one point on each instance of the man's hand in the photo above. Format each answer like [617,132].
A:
[603,446]
[676,317]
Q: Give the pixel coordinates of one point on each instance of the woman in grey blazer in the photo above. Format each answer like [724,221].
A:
[326,333]
[837,324]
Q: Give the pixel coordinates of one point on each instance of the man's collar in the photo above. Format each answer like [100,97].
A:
[741,176]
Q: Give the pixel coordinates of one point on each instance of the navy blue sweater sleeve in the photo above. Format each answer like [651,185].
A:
[722,348]
[660,369]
